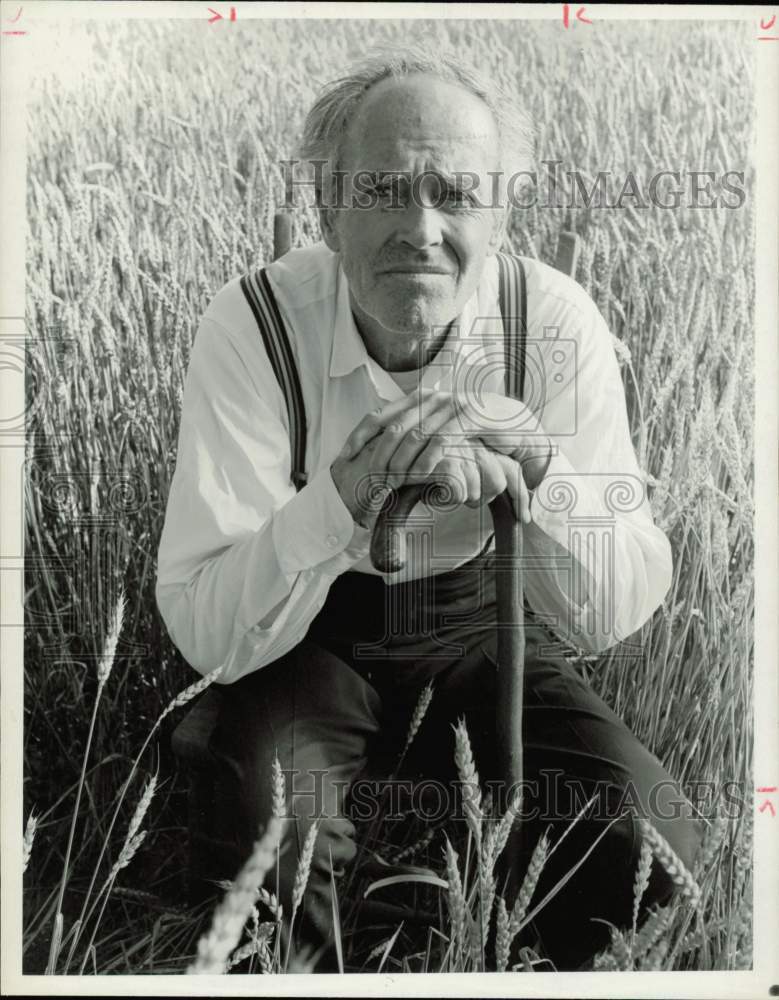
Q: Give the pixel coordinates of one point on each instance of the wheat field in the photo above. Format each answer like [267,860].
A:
[153,177]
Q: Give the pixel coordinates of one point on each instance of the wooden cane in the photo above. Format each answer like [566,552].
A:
[388,555]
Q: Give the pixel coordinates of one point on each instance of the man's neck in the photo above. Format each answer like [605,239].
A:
[395,352]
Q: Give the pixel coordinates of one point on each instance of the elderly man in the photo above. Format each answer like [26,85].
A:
[397,340]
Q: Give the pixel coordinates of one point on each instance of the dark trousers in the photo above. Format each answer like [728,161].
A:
[337,707]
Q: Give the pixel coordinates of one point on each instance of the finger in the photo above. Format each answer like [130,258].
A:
[378,467]
[428,460]
[515,484]
[449,471]
[373,423]
[508,436]
[437,414]
[469,466]
[405,436]
[493,479]
[368,428]
[456,428]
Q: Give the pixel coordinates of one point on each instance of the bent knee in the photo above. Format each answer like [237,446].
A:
[333,841]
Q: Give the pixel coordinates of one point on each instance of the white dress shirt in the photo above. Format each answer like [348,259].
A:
[245,562]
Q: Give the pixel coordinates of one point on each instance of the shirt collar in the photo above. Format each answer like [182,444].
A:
[349,352]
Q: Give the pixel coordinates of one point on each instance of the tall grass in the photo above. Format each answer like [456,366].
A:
[152,182]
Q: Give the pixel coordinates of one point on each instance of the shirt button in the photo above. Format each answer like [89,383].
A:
[332,541]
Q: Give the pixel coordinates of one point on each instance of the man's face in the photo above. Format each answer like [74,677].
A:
[415,256]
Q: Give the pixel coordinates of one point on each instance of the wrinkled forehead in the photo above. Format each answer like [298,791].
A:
[420,123]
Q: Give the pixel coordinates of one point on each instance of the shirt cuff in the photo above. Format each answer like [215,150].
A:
[313,526]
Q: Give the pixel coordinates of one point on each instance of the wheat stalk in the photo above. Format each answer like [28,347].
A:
[419,713]
[653,927]
[185,696]
[455,898]
[486,883]
[605,962]
[103,673]
[620,949]
[132,842]
[502,936]
[142,808]
[302,873]
[654,959]
[469,779]
[641,882]
[528,887]
[711,845]
[420,710]
[304,866]
[683,880]
[506,823]
[278,805]
[261,935]
[266,959]
[215,947]
[415,847]
[127,853]
[271,901]
[27,842]
[179,701]
[109,650]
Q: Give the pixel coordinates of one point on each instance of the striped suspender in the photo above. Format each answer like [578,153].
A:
[512,295]
[257,290]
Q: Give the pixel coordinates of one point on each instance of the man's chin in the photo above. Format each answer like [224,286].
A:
[413,319]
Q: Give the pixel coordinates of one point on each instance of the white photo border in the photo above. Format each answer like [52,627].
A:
[747,984]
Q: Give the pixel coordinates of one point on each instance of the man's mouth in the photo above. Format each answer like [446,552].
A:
[421,269]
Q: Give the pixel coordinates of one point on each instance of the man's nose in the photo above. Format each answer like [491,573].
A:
[420,225]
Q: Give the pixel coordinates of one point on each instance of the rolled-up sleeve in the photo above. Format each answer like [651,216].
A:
[596,564]
[245,561]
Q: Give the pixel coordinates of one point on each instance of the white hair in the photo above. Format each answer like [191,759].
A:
[328,120]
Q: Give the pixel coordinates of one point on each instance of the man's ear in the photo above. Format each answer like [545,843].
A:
[327,219]
[498,233]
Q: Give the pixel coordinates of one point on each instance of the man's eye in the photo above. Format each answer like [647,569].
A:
[386,190]
[457,197]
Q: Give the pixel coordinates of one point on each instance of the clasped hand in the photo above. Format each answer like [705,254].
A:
[437,436]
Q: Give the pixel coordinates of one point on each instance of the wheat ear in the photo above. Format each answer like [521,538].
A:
[469,778]
[29,837]
[214,948]
[419,713]
[651,930]
[528,887]
[301,881]
[506,823]
[502,936]
[641,881]
[671,862]
[189,693]
[455,897]
[109,651]
[279,805]
[304,866]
